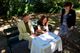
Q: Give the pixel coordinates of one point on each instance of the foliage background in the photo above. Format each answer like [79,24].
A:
[10,8]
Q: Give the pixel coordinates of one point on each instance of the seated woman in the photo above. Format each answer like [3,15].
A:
[42,25]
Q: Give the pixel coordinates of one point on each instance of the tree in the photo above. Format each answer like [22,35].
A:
[10,8]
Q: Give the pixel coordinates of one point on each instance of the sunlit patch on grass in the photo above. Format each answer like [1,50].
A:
[3,51]
[4,27]
[1,19]
[77,18]
[78,10]
[1,29]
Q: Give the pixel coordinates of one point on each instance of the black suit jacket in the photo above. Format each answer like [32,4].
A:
[71,20]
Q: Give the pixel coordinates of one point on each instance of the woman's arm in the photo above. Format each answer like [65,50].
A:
[46,27]
[40,30]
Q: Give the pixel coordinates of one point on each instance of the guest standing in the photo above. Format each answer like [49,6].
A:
[68,18]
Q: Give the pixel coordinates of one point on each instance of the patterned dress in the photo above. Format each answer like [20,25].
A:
[64,27]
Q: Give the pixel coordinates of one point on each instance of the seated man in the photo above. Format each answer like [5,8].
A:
[25,28]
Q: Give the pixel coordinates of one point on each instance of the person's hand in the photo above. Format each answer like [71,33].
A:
[33,34]
[41,31]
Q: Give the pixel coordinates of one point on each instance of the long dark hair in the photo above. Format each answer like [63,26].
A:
[40,22]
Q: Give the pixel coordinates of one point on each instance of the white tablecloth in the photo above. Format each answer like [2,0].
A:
[46,43]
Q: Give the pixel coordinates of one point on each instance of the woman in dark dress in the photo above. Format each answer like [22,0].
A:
[68,19]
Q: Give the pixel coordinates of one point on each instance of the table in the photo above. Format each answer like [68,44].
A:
[46,43]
